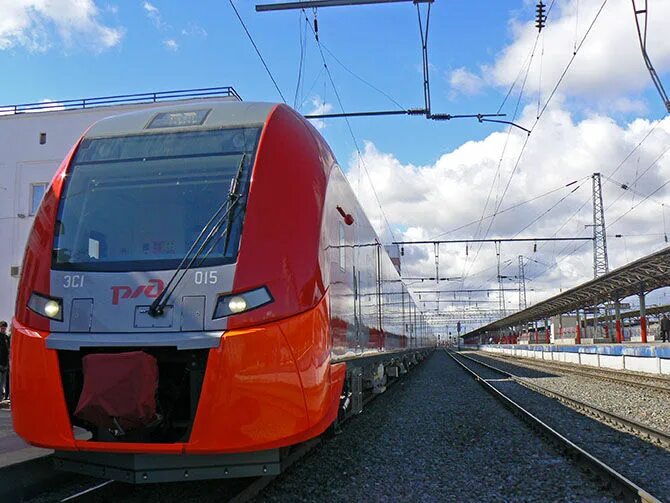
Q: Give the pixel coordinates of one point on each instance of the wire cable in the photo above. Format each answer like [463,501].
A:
[257,50]
[370,85]
[302,59]
[353,136]
[466,269]
[544,108]
[552,207]
[508,208]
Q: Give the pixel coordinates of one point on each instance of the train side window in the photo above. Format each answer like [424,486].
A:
[37,191]
[342,249]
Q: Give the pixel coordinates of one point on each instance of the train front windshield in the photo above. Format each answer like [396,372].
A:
[137,203]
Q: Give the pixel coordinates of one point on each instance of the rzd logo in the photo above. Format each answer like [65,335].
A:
[151,291]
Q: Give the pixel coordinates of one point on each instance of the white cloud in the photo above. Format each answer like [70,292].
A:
[319,107]
[465,82]
[609,66]
[194,30]
[31,23]
[153,14]
[426,201]
[171,44]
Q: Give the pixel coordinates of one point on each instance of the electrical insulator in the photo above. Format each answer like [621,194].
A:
[541,17]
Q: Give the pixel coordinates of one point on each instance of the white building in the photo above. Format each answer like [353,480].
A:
[34,139]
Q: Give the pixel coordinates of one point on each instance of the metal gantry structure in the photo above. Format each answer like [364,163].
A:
[600,260]
[501,291]
[440,304]
[522,284]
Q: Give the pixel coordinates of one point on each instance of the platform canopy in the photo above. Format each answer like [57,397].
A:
[642,276]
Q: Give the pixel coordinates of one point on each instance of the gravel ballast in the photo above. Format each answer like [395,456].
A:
[643,463]
[643,405]
[435,436]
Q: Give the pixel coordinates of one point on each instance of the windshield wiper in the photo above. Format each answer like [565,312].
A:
[158,305]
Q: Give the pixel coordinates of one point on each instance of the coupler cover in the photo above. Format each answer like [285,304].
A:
[119,392]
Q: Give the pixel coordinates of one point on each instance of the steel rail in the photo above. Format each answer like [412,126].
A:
[628,424]
[87,491]
[255,488]
[626,488]
[607,375]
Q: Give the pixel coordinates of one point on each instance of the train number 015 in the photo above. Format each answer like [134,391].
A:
[206,278]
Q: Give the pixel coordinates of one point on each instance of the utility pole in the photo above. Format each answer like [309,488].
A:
[600,262]
[501,290]
[522,285]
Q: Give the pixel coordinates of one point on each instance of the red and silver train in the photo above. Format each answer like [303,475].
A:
[200,291]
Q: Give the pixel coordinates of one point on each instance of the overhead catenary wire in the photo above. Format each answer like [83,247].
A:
[364,81]
[251,39]
[546,104]
[509,208]
[539,83]
[552,207]
[646,198]
[467,269]
[637,178]
[627,211]
[353,136]
[611,223]
[395,102]
[302,35]
[616,169]
[630,189]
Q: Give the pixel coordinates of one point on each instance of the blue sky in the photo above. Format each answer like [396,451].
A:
[429,176]
[379,43]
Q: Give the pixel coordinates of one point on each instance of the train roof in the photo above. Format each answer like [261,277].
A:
[210,114]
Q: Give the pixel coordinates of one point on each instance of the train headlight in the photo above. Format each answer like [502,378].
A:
[241,302]
[49,307]
[237,304]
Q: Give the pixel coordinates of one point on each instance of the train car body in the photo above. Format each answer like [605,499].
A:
[200,290]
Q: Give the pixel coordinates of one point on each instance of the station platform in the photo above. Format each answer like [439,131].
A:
[13,449]
[652,358]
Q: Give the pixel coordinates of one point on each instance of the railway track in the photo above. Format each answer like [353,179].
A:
[656,383]
[623,486]
[626,424]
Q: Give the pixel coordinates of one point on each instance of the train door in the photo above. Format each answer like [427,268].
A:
[357,303]
[378,285]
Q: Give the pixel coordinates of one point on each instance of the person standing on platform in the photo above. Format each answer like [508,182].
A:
[665,328]
[4,360]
